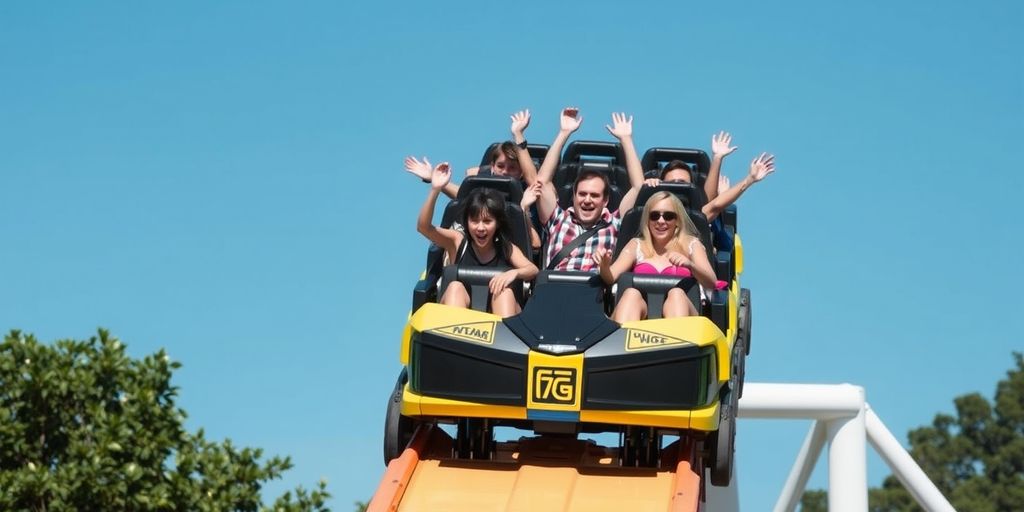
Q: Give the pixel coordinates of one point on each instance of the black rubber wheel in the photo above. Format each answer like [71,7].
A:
[723,442]
[744,319]
[739,368]
[398,429]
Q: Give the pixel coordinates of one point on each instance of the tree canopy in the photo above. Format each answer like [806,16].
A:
[976,458]
[83,426]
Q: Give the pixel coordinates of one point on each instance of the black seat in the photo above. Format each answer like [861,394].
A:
[656,287]
[476,278]
[512,191]
[687,194]
[605,157]
[654,160]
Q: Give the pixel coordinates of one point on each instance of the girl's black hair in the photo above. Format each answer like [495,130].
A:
[485,199]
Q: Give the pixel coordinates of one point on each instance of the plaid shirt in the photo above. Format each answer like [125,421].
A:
[563,229]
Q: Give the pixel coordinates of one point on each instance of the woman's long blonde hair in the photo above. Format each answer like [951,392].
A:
[684,226]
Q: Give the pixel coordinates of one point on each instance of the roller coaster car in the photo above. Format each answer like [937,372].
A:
[563,367]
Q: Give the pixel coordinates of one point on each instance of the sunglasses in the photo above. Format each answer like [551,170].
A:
[656,216]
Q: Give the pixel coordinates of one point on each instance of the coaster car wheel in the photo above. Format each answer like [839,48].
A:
[744,319]
[398,429]
[723,441]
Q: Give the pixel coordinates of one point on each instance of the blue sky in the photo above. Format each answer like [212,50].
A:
[224,180]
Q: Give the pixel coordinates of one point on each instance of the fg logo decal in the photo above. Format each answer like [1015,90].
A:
[554,385]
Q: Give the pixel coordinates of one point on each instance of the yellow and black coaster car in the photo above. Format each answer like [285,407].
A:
[563,367]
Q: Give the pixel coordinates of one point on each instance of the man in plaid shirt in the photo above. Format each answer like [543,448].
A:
[591,191]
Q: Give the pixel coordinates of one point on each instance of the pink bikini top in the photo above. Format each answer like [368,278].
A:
[643,267]
[671,270]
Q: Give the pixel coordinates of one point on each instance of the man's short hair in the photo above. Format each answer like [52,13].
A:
[590,173]
[673,165]
[508,148]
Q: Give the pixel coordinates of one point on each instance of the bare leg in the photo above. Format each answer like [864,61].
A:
[631,306]
[677,304]
[504,304]
[456,295]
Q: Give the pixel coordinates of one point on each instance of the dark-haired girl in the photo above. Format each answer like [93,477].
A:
[487,242]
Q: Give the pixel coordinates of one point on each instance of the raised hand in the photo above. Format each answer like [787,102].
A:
[501,281]
[652,182]
[530,195]
[622,126]
[570,120]
[723,184]
[720,144]
[762,166]
[421,170]
[441,176]
[520,120]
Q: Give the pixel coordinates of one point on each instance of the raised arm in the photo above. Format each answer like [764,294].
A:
[568,123]
[760,168]
[447,239]
[423,171]
[520,121]
[530,196]
[622,129]
[720,149]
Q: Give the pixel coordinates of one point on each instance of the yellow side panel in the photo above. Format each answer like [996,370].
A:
[417,405]
[737,253]
[438,316]
[461,323]
[705,418]
[553,382]
[698,330]
[403,356]
[662,419]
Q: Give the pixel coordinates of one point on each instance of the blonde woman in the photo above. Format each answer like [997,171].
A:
[668,245]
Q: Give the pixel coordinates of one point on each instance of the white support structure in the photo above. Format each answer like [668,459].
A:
[801,472]
[843,418]
[903,466]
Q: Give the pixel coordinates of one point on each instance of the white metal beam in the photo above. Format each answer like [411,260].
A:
[847,464]
[903,466]
[802,468]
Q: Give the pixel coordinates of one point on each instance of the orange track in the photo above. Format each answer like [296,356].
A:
[536,474]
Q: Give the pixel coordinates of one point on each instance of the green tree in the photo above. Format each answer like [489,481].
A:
[85,427]
[976,458]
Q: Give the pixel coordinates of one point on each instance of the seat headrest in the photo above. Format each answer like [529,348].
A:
[654,160]
[691,196]
[599,148]
[508,187]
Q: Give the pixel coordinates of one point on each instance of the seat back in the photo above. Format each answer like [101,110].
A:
[688,194]
[607,158]
[512,191]
[654,160]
